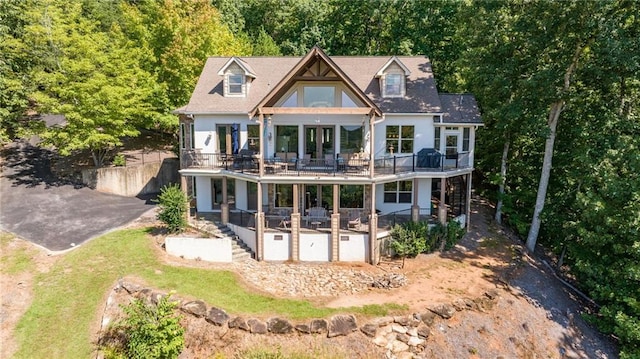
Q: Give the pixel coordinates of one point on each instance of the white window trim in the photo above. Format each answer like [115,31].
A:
[383,85]
[397,193]
[227,85]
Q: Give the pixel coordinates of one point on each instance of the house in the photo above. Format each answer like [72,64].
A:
[314,158]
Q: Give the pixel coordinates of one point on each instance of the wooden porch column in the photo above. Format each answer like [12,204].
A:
[415,209]
[335,225]
[469,176]
[259,220]
[373,229]
[442,208]
[295,228]
[224,207]
[263,144]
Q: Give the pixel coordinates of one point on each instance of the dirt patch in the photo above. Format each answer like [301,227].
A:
[16,283]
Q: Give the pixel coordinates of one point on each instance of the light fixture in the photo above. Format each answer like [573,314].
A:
[269,136]
[269,120]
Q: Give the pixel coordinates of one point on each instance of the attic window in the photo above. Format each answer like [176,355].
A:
[235,84]
[393,85]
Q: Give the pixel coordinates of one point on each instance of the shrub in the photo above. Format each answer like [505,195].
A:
[147,331]
[173,208]
[455,232]
[119,160]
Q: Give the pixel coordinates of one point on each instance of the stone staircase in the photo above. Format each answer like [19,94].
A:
[240,251]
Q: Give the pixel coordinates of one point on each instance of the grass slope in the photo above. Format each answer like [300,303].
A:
[67,298]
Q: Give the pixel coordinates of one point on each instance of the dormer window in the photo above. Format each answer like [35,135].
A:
[237,76]
[393,78]
[393,85]
[235,84]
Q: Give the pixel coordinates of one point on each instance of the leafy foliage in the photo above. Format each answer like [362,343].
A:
[412,238]
[172,203]
[147,331]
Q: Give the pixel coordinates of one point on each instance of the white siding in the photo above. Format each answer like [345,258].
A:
[241,194]
[203,189]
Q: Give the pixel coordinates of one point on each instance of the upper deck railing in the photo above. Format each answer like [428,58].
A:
[358,167]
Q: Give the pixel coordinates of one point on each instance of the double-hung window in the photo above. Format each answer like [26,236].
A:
[398,192]
[400,139]
[235,83]
[393,84]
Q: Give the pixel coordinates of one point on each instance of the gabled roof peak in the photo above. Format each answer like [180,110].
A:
[393,59]
[248,71]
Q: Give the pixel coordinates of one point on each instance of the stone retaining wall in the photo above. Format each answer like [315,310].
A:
[402,336]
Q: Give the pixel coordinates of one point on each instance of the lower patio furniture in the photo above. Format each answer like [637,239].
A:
[317,214]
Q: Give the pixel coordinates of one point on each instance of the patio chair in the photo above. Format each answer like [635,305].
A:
[354,220]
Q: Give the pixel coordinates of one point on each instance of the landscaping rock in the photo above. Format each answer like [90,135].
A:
[463,304]
[303,328]
[389,280]
[398,328]
[428,318]
[413,331]
[445,311]
[380,341]
[217,316]
[130,287]
[382,321]
[155,297]
[424,331]
[319,326]
[342,325]
[403,320]
[279,326]
[404,355]
[415,341]
[240,323]
[197,308]
[257,327]
[369,329]
[483,304]
[402,337]
[398,346]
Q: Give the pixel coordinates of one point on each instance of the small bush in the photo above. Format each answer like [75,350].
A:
[119,160]
[413,238]
[173,208]
[455,232]
[147,331]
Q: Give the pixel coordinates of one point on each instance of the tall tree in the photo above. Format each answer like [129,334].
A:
[89,76]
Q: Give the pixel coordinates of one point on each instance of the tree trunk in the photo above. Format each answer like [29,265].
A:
[98,157]
[554,115]
[503,180]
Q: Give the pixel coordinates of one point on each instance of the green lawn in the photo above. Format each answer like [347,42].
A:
[66,299]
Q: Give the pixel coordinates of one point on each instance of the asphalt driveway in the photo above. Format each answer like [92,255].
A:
[55,214]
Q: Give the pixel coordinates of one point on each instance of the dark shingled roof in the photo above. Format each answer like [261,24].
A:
[459,108]
[421,93]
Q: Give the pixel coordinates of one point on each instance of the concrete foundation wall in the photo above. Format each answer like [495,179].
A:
[315,247]
[246,235]
[276,246]
[206,249]
[134,180]
[353,247]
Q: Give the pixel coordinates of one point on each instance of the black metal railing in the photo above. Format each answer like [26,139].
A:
[389,220]
[395,164]
[242,218]
[432,162]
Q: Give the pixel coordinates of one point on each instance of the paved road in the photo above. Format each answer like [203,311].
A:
[54,214]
